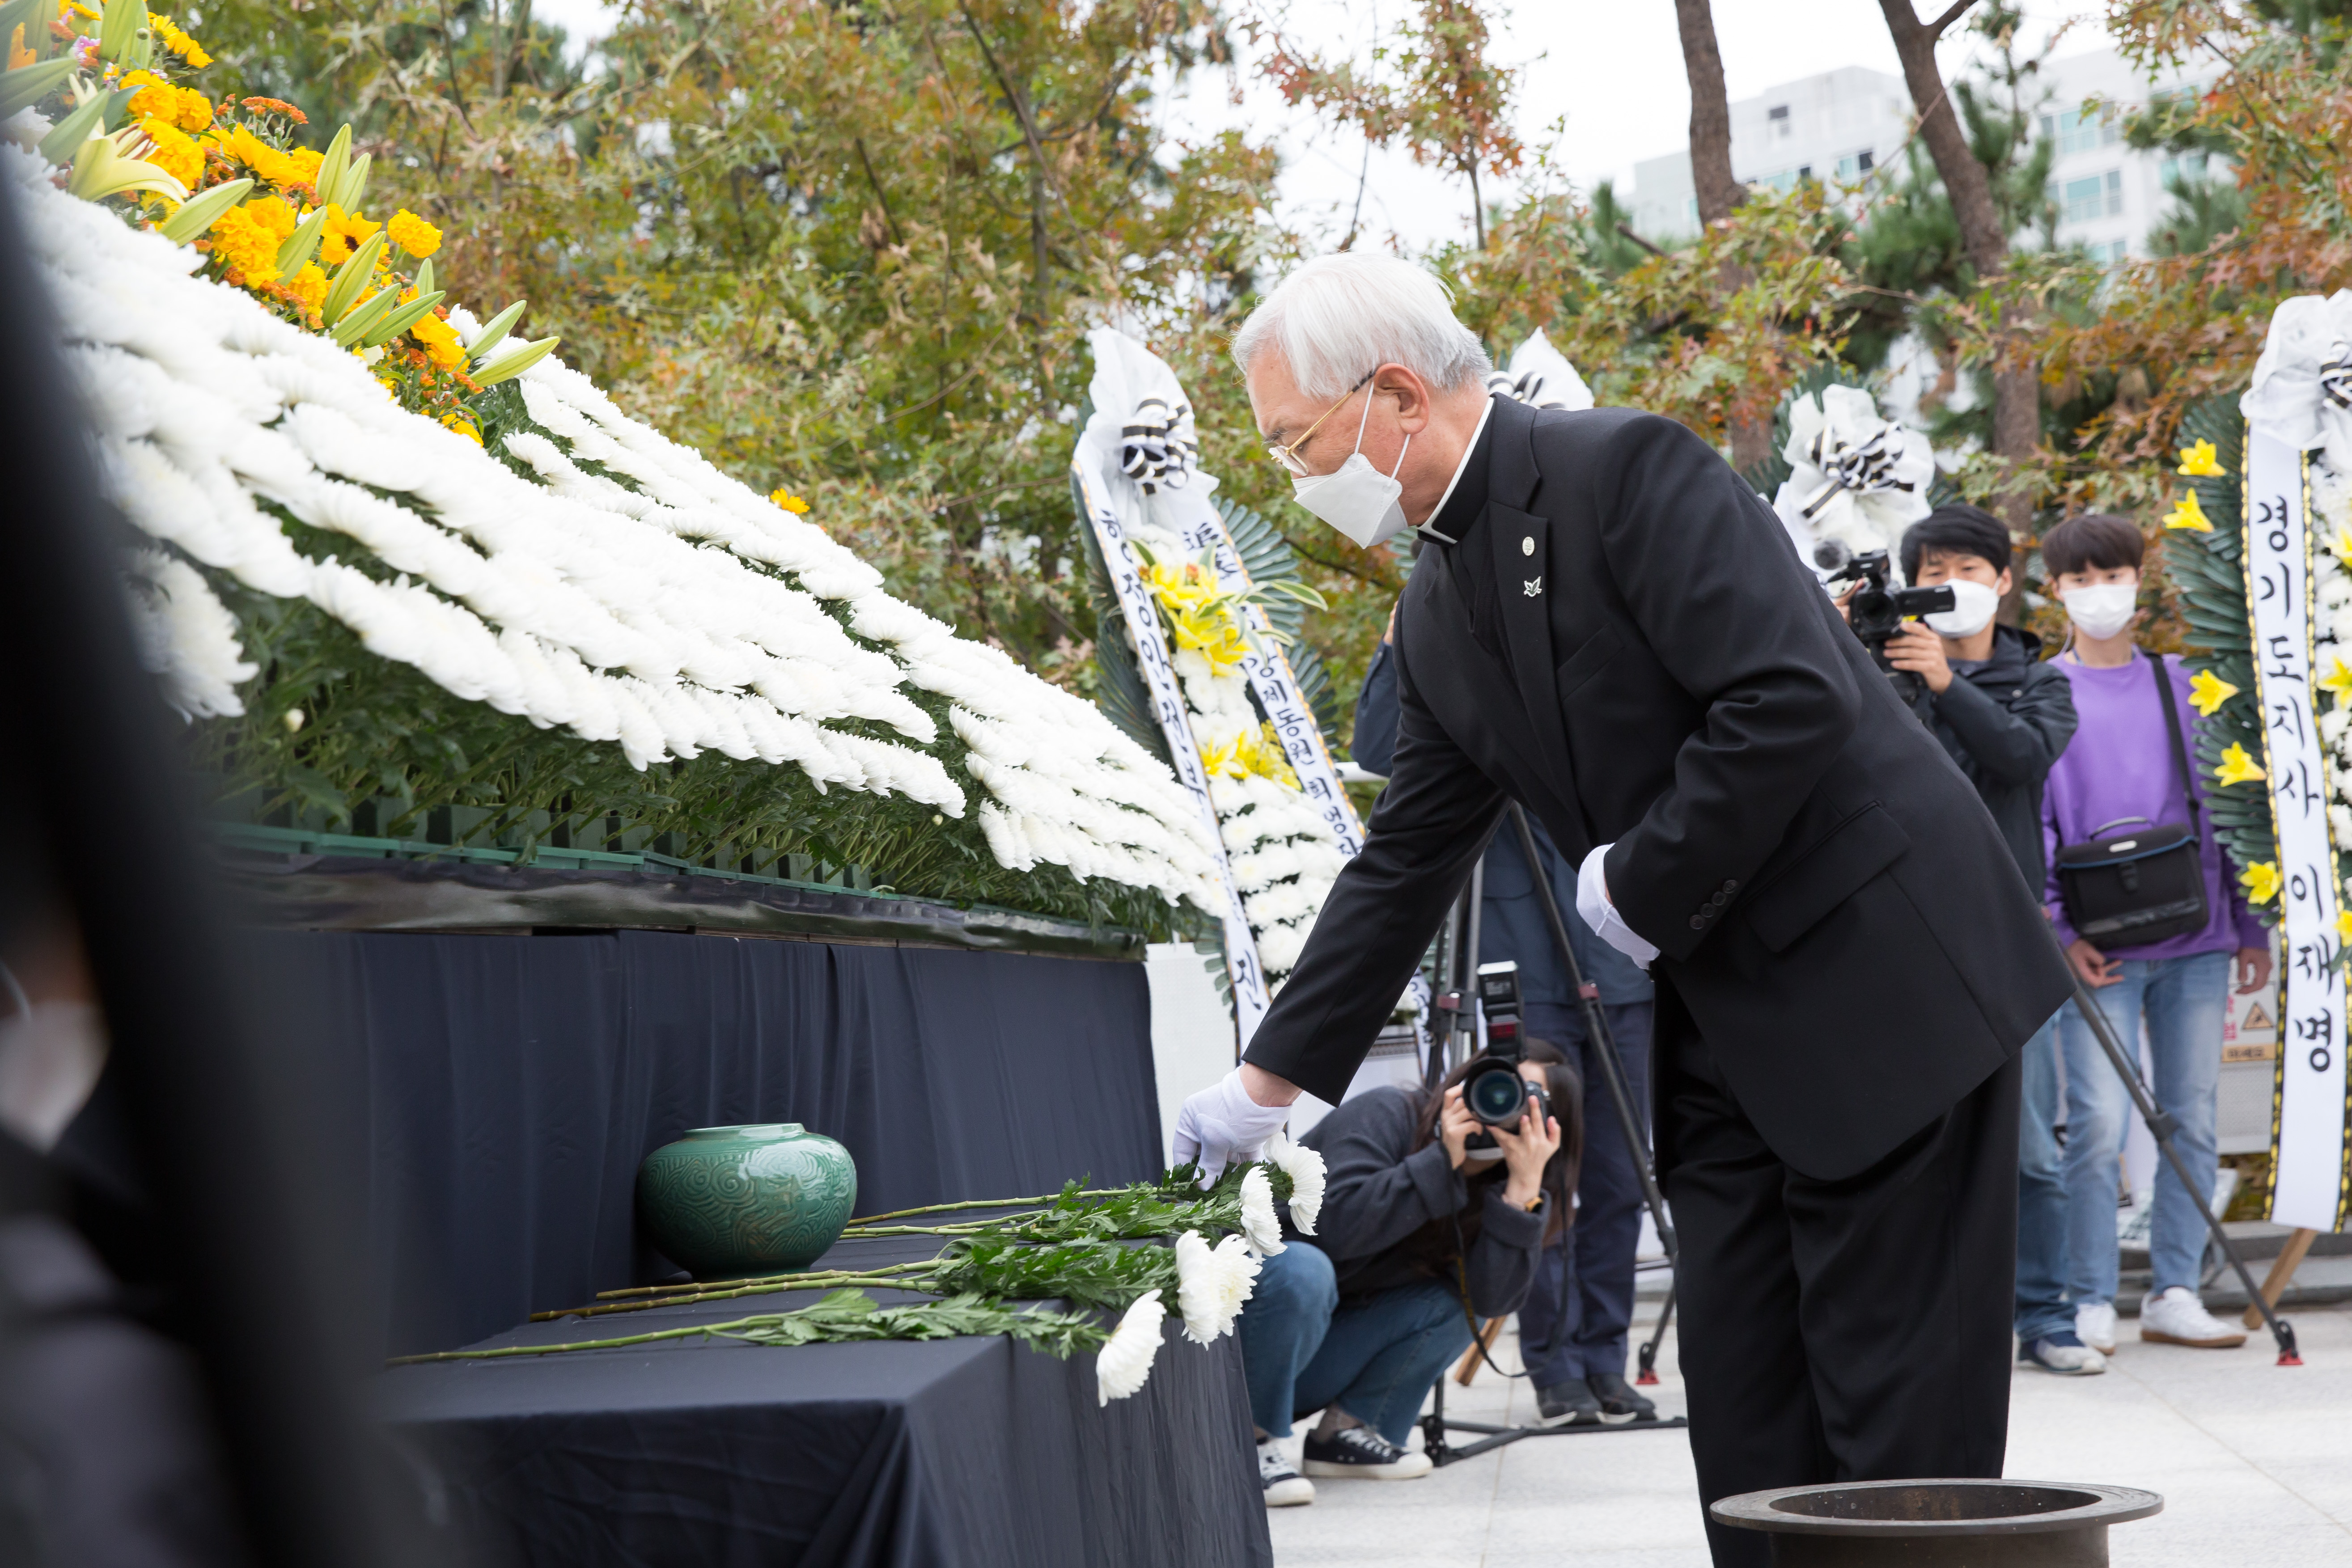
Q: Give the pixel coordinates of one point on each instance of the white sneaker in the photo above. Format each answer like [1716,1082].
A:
[1285,1487]
[2178,1318]
[2095,1325]
[1361,1452]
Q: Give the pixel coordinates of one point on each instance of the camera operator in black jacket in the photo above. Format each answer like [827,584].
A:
[2004,716]
[2003,713]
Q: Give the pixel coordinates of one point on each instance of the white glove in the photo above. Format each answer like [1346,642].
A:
[1592,903]
[1221,1124]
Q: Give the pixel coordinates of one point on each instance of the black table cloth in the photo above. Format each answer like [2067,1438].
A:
[493,1094]
[966,1453]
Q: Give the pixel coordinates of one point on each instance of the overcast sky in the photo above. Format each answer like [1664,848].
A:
[1607,73]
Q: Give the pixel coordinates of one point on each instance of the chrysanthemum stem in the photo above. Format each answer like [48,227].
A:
[696,1285]
[984,1203]
[740,1324]
[833,1279]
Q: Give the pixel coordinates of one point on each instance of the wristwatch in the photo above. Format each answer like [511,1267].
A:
[1535,1203]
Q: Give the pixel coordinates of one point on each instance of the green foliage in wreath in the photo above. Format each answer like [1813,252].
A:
[2208,571]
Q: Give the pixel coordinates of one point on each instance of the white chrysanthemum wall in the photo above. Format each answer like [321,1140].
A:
[602,584]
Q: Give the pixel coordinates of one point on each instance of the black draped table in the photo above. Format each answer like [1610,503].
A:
[491,1097]
[712,1453]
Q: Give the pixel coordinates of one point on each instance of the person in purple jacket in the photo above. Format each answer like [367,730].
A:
[2120,768]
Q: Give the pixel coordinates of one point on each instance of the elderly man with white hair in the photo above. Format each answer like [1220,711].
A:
[1607,625]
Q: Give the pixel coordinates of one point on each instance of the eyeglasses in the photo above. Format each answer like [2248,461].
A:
[1287,454]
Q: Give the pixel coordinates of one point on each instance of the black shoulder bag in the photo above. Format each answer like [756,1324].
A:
[2133,887]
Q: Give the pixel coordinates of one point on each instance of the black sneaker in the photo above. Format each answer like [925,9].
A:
[1618,1400]
[1569,1403]
[1363,1453]
[1285,1487]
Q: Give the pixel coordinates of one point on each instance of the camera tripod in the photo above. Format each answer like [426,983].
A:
[2162,1124]
[1461,953]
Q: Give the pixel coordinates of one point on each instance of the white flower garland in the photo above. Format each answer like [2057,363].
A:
[1284,853]
[1855,478]
[686,615]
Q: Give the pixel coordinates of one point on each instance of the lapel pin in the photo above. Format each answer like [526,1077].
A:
[1534,587]
[1528,545]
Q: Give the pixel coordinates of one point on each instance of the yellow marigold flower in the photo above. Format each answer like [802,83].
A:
[789,501]
[341,235]
[174,152]
[306,161]
[276,168]
[2208,691]
[248,251]
[178,42]
[440,341]
[272,214]
[2186,514]
[2260,881]
[2237,767]
[2200,460]
[412,234]
[158,99]
[309,287]
[462,426]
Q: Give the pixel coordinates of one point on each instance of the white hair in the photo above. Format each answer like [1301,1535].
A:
[1338,318]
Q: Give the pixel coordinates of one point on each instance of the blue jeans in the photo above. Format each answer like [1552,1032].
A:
[2041,1306]
[1581,1330]
[1375,1357]
[2183,1000]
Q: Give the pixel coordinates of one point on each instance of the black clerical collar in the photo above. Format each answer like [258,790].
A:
[1466,496]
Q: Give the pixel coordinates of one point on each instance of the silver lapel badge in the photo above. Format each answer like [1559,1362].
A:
[1534,586]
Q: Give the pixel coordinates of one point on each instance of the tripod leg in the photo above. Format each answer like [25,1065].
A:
[1621,1098]
[2162,1125]
[1484,1344]
[1649,1356]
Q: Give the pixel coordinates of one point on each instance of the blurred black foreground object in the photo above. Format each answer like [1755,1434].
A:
[176,1386]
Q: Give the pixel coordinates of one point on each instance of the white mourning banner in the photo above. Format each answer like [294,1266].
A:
[2308,1125]
[1142,616]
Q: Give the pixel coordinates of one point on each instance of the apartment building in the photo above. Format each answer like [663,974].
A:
[1838,125]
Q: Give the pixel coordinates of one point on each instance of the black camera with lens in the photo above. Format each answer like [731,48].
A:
[1492,1091]
[1877,612]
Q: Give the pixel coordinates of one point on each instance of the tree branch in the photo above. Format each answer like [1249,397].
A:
[1957,9]
[1626,229]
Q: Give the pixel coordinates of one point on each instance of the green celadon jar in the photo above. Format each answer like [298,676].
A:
[764,1199]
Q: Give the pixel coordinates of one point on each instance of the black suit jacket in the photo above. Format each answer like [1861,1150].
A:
[1829,901]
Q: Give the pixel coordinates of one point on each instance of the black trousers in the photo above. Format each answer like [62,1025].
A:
[1856,1330]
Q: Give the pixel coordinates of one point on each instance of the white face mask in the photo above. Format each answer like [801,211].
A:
[1358,499]
[2102,610]
[1973,605]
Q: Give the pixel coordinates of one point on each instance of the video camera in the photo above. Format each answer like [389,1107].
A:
[1877,612]
[1493,1091]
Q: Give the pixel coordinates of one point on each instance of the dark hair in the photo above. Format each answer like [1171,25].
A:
[1435,1242]
[2093,539]
[1958,528]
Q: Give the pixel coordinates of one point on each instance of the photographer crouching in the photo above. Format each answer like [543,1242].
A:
[1429,1216]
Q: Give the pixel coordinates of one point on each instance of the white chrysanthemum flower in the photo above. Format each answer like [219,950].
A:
[1124,1362]
[1304,1166]
[1260,1223]
[1212,1283]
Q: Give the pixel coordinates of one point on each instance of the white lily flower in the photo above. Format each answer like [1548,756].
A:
[1304,1166]
[1124,1361]
[1211,1284]
[1260,1223]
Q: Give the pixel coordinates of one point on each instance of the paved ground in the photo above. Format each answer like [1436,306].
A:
[2254,1462]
